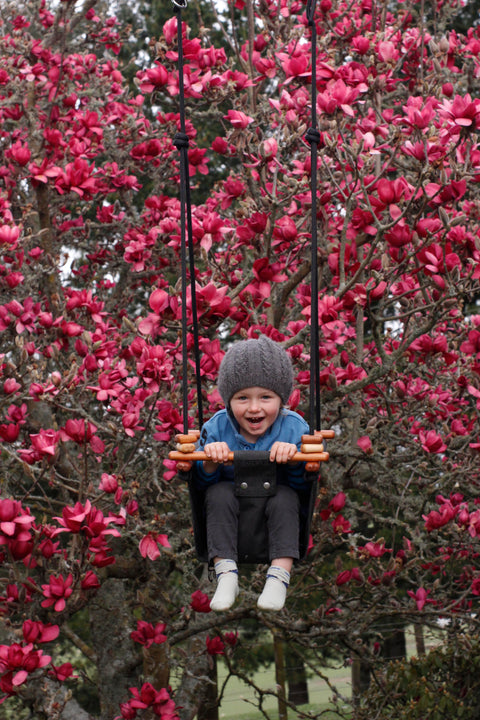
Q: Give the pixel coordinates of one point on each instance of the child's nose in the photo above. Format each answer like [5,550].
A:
[254,404]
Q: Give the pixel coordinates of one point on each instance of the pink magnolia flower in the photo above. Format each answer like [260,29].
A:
[154,366]
[78,177]
[212,302]
[42,173]
[9,433]
[337,96]
[86,519]
[9,235]
[81,432]
[11,386]
[62,672]
[45,442]
[200,602]
[170,30]
[231,638]
[232,189]
[373,549]
[159,701]
[238,119]
[197,161]
[149,545]
[437,519]
[153,78]
[388,51]
[340,525]
[108,483]
[462,112]
[365,444]
[14,520]
[215,646]
[17,661]
[147,634]
[346,575]
[337,503]
[265,274]
[211,357]
[73,518]
[420,597]
[90,581]
[57,591]
[99,553]
[295,64]
[431,441]
[164,304]
[20,153]
[474,524]
[37,632]
[169,421]
[221,146]
[15,528]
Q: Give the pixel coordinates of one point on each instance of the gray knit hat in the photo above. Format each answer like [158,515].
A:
[256,363]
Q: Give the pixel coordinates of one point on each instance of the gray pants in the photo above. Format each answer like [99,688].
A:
[281,516]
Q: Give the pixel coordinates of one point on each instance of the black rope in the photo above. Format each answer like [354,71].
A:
[313,138]
[186,233]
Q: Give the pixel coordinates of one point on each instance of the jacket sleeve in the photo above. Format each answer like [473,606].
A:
[208,435]
[295,472]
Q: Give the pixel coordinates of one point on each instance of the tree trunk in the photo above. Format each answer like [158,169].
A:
[117,661]
[395,645]
[209,708]
[360,678]
[280,676]
[419,640]
[296,678]
[195,682]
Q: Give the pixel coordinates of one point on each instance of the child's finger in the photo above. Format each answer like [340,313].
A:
[217,452]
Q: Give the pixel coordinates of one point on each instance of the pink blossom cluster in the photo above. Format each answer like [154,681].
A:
[91,309]
[19,660]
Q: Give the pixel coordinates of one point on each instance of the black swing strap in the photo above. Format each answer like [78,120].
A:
[254,474]
[313,138]
[181,143]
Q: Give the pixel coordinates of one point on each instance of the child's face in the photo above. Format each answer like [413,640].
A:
[255,409]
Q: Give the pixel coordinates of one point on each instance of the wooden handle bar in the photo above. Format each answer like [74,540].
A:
[193,436]
[325,434]
[298,457]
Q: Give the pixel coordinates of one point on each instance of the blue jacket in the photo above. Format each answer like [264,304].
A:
[222,427]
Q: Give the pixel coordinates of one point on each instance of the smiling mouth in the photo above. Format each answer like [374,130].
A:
[255,421]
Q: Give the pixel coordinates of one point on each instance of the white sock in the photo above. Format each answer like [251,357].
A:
[227,585]
[275,591]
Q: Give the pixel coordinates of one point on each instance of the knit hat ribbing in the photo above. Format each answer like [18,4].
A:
[256,363]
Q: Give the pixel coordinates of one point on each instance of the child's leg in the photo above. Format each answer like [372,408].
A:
[275,591]
[283,530]
[227,584]
[222,521]
[222,538]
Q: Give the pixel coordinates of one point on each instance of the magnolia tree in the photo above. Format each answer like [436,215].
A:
[101,595]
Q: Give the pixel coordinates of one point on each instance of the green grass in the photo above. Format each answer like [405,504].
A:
[240,702]
[239,699]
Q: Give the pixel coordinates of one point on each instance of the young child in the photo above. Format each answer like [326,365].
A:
[255,381]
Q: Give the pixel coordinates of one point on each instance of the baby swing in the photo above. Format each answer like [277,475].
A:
[254,474]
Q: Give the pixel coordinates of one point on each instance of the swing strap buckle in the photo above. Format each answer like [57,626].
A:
[254,474]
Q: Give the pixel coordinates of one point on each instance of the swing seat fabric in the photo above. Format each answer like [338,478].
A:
[255,482]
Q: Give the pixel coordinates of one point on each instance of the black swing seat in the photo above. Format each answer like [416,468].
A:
[255,478]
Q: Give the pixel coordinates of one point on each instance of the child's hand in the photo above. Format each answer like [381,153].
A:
[217,452]
[282,452]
